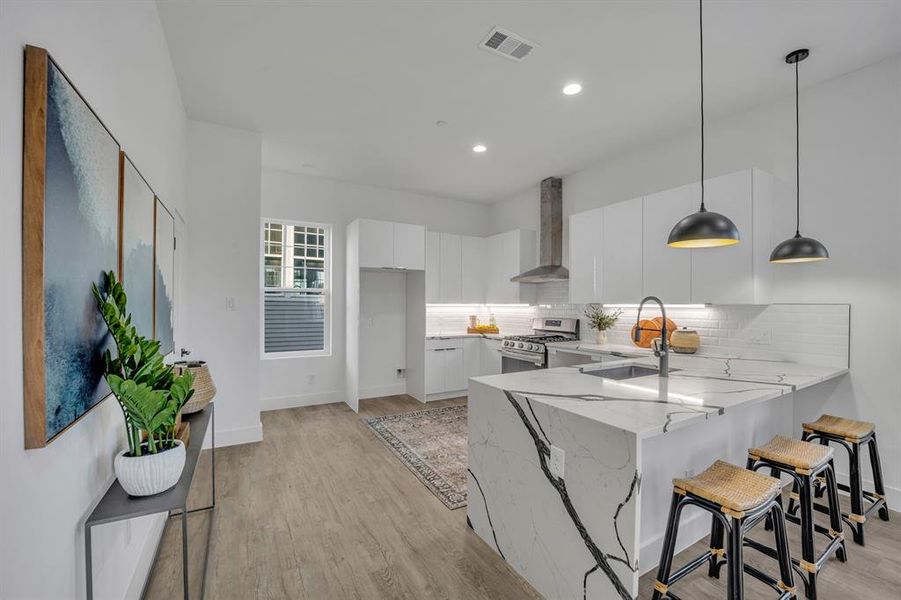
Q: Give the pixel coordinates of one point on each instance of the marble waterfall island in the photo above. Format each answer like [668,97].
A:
[589,529]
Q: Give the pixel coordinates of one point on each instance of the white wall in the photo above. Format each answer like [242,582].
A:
[223,305]
[851,201]
[383,326]
[117,56]
[284,382]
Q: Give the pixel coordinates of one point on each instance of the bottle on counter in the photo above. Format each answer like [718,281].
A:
[491,320]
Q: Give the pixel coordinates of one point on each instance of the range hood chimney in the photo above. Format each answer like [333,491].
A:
[550,237]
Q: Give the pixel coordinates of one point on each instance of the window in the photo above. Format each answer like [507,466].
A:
[296,278]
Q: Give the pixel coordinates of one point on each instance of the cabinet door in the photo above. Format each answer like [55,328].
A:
[409,246]
[454,370]
[667,271]
[725,275]
[435,371]
[472,358]
[491,357]
[586,234]
[503,263]
[376,244]
[473,251]
[622,245]
[432,267]
[451,272]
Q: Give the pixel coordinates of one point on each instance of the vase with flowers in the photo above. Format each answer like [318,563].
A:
[601,320]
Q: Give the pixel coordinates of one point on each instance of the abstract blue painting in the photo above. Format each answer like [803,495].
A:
[164,289]
[81,201]
[138,202]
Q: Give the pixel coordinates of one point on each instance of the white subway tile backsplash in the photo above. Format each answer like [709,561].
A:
[806,333]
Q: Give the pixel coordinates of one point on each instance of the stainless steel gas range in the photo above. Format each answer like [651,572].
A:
[528,352]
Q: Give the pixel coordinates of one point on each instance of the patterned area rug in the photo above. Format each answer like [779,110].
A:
[432,444]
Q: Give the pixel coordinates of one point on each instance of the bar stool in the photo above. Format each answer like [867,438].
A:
[737,499]
[804,462]
[851,435]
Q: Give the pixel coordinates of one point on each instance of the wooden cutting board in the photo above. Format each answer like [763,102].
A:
[651,329]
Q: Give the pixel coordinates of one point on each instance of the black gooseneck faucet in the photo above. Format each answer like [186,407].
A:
[661,351]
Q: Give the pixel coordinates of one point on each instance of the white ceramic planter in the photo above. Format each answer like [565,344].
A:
[151,473]
[602,337]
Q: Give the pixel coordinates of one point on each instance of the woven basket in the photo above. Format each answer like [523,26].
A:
[204,388]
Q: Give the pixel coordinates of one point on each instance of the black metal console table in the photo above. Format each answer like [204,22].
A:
[116,505]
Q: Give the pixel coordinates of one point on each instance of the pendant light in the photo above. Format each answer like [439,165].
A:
[798,249]
[703,229]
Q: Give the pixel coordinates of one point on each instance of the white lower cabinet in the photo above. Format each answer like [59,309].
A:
[454,370]
[490,358]
[449,363]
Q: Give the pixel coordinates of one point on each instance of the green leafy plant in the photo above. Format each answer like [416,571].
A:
[149,393]
[599,319]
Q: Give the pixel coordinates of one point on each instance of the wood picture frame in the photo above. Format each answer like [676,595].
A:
[59,126]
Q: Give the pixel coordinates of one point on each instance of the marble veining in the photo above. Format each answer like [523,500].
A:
[577,535]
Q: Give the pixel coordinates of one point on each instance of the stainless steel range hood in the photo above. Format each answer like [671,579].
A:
[550,237]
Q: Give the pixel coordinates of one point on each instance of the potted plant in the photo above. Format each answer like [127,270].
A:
[601,320]
[150,396]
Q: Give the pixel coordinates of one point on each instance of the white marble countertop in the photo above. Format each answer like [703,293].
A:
[699,387]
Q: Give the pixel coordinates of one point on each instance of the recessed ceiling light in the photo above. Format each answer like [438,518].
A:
[571,89]
[479,148]
[440,123]
[307,165]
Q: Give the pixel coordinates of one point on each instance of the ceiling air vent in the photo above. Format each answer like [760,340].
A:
[507,44]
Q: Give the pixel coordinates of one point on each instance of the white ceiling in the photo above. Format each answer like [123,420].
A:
[352,90]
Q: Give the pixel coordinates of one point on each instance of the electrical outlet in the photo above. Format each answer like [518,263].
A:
[558,457]
[230,304]
[401,373]
[311,379]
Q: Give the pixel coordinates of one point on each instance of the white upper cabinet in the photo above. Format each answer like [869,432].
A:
[450,282]
[432,267]
[586,256]
[725,275]
[387,245]
[507,255]
[376,244]
[409,246]
[473,251]
[667,271]
[622,243]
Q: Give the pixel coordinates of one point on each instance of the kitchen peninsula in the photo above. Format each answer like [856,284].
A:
[570,471]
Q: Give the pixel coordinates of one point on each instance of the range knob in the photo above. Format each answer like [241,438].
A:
[533,347]
[519,345]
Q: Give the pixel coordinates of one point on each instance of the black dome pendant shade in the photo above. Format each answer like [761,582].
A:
[798,249]
[703,229]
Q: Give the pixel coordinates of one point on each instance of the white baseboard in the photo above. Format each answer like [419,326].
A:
[892,494]
[691,529]
[298,400]
[378,391]
[235,437]
[446,395]
[145,560]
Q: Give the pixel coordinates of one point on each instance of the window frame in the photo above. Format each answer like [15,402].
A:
[325,291]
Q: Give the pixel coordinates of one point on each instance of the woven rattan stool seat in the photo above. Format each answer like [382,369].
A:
[846,428]
[733,488]
[788,451]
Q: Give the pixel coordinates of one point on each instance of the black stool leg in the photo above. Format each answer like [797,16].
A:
[735,560]
[669,548]
[857,511]
[717,548]
[835,510]
[792,505]
[768,523]
[782,549]
[808,562]
[877,476]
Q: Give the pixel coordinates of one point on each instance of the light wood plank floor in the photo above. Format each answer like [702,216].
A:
[321,509]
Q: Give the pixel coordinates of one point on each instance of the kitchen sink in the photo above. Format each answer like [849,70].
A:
[624,372]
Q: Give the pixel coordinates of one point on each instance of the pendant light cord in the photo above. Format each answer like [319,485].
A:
[797,157]
[701,37]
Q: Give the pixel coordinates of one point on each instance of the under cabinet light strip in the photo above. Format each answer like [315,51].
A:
[666,305]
